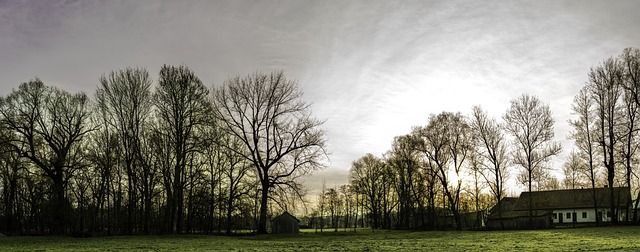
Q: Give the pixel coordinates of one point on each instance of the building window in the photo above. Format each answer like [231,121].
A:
[584,215]
[568,215]
[555,216]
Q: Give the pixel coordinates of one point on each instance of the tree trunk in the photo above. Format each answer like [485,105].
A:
[530,199]
[635,209]
[262,221]
[9,204]
[131,198]
[60,210]
[229,211]
[613,213]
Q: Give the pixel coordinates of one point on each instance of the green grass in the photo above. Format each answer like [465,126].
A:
[580,239]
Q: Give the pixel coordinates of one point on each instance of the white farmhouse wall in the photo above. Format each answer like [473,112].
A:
[591,215]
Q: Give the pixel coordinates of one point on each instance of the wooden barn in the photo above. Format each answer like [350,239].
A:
[285,224]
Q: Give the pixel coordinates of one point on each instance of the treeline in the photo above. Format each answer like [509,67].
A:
[449,173]
[132,159]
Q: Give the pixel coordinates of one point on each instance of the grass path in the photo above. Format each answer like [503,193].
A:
[581,239]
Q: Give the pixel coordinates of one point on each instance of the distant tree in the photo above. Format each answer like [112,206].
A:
[346,194]
[322,205]
[584,136]
[573,170]
[531,124]
[334,206]
[550,182]
[181,106]
[477,186]
[403,162]
[284,142]
[48,125]
[12,168]
[605,87]
[491,146]
[541,179]
[236,176]
[446,141]
[367,175]
[125,98]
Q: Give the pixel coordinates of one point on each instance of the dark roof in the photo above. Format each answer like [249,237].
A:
[285,214]
[572,198]
[507,204]
[507,210]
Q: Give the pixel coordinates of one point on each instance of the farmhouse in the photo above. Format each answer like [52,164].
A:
[285,224]
[559,208]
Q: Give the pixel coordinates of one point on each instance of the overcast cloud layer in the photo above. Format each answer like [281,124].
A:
[372,69]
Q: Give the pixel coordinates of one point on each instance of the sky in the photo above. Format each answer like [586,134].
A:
[371,69]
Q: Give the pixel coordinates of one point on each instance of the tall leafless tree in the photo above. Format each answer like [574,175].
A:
[235,174]
[446,141]
[182,105]
[491,145]
[403,160]
[367,176]
[627,134]
[630,60]
[281,138]
[125,96]
[583,134]
[606,89]
[531,124]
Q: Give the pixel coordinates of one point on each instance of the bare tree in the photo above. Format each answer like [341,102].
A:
[606,89]
[284,142]
[627,134]
[235,174]
[49,125]
[583,134]
[531,124]
[492,148]
[346,194]
[181,106]
[475,170]
[630,60]
[573,170]
[367,175]
[334,207]
[12,168]
[631,72]
[322,204]
[125,97]
[403,162]
[446,142]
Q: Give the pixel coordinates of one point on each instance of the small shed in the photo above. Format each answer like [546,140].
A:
[285,224]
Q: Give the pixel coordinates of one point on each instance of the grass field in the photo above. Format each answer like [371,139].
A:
[580,239]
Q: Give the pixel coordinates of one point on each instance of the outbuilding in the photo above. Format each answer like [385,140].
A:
[285,224]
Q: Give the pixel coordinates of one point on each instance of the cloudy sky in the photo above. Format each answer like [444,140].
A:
[372,69]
